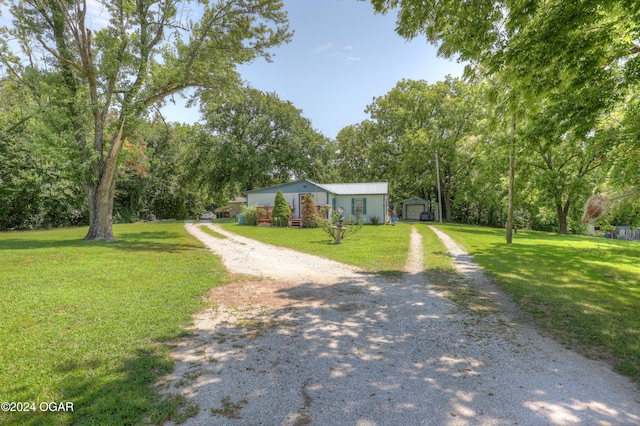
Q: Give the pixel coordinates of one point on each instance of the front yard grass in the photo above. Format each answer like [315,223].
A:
[91,323]
[382,249]
[585,291]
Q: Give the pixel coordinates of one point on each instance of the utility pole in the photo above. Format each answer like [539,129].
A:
[439,194]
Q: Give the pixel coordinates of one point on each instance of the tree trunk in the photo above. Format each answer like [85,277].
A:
[100,195]
[100,211]
[563,212]
[448,208]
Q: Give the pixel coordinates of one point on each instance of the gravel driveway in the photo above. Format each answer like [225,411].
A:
[312,341]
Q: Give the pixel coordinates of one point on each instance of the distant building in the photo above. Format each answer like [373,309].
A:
[416,208]
[626,233]
[232,209]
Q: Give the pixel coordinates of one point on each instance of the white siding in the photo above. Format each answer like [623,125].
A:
[375,206]
[260,199]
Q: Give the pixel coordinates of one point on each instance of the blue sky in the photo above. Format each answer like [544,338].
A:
[342,56]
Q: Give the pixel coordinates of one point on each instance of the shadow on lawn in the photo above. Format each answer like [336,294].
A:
[162,241]
[368,350]
[585,295]
[124,395]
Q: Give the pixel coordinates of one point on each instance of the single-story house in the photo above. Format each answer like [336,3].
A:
[369,199]
[412,207]
[232,209]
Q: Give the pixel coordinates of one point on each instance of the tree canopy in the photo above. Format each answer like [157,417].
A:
[562,67]
[92,79]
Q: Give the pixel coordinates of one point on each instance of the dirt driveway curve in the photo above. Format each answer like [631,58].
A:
[317,342]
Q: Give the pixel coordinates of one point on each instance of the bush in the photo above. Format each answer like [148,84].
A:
[250,215]
[309,212]
[375,220]
[281,210]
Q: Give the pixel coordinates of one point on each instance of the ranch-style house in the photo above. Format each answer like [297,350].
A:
[370,199]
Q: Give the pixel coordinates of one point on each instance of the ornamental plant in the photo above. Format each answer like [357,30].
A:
[281,210]
[309,212]
[330,228]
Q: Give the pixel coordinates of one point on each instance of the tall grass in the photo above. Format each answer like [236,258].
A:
[89,323]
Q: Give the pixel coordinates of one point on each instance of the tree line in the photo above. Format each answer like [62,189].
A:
[545,116]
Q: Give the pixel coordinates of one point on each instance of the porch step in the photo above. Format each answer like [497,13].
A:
[296,223]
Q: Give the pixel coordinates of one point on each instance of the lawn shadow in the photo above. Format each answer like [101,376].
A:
[161,241]
[102,395]
[585,296]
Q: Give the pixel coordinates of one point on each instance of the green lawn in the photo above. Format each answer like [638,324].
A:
[585,291]
[380,248]
[89,323]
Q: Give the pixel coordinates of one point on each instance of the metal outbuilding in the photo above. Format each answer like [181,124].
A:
[414,207]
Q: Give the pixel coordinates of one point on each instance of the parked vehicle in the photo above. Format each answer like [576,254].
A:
[207,216]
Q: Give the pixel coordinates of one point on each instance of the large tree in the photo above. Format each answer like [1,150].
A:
[573,58]
[95,74]
[416,120]
[253,139]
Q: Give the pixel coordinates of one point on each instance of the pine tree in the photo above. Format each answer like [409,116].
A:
[281,210]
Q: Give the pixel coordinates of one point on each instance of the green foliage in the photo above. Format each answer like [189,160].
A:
[98,330]
[37,188]
[557,70]
[309,212]
[281,210]
[249,215]
[91,90]
[351,226]
[253,139]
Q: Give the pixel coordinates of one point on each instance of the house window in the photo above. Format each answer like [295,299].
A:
[358,206]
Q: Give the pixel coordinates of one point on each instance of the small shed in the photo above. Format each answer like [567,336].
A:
[414,206]
[235,206]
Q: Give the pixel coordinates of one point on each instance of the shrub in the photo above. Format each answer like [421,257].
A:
[309,212]
[249,215]
[281,210]
[375,220]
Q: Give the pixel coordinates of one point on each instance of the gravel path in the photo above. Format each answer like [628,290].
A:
[333,345]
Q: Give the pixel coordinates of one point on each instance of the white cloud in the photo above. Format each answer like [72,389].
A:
[323,47]
[97,15]
[348,47]
[348,58]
